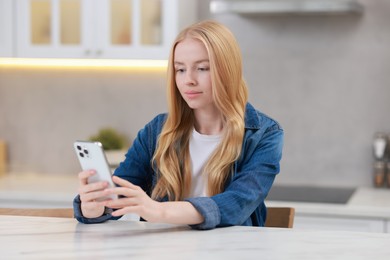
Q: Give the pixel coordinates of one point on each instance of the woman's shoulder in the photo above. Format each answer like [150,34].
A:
[153,128]
[256,119]
[157,122]
[159,119]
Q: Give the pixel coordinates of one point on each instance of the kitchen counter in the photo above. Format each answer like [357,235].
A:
[64,238]
[37,190]
[367,210]
[365,202]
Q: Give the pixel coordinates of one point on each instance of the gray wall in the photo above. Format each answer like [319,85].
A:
[44,111]
[324,78]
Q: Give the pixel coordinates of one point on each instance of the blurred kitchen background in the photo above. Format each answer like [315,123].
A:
[324,76]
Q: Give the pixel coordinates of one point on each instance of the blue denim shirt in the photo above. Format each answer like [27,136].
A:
[242,202]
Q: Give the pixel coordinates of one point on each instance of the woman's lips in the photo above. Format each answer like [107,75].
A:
[192,94]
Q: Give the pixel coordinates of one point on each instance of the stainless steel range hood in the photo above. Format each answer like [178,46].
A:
[253,7]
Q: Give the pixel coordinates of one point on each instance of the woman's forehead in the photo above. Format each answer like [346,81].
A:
[190,50]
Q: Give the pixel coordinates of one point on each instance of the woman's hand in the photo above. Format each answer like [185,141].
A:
[132,199]
[90,193]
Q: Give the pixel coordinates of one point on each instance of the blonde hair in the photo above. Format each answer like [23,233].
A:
[172,157]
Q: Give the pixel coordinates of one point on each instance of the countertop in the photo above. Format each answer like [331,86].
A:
[64,238]
[365,202]
[37,190]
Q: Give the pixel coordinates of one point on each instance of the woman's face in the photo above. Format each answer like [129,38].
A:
[192,70]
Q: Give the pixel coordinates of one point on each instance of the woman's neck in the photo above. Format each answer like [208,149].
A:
[208,123]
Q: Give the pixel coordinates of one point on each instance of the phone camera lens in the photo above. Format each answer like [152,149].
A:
[81,154]
[79,147]
[86,151]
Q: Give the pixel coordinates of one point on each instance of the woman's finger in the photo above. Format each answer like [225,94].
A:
[93,196]
[93,187]
[84,175]
[126,192]
[123,182]
[120,203]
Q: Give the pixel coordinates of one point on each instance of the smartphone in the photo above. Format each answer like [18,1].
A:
[91,157]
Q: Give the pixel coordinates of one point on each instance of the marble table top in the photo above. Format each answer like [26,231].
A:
[61,238]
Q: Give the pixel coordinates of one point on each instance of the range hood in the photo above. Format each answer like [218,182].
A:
[253,7]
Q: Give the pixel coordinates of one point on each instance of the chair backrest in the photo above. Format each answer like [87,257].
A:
[38,212]
[282,217]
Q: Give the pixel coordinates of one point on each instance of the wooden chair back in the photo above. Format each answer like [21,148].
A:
[38,212]
[282,217]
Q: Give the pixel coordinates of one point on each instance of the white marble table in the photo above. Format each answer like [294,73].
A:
[56,238]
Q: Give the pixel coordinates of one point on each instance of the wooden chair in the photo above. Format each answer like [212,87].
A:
[282,217]
[37,212]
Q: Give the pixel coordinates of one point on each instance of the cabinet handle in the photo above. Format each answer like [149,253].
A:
[87,52]
[99,52]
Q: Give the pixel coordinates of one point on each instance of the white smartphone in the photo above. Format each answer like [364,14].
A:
[91,157]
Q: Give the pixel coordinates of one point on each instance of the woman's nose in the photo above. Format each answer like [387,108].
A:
[190,78]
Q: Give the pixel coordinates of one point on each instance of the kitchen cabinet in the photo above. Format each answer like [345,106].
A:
[340,223]
[124,29]
[6,25]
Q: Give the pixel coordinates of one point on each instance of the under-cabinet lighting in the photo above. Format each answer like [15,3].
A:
[82,63]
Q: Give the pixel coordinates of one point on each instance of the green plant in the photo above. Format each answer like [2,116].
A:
[110,138]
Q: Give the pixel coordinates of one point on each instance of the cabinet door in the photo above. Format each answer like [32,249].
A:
[338,223]
[6,25]
[53,28]
[124,29]
[141,29]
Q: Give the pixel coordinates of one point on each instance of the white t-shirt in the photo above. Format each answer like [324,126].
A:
[201,148]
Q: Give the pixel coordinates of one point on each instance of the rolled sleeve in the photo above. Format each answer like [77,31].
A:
[209,210]
[79,216]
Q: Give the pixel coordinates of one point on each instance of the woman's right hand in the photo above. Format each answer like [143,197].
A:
[89,195]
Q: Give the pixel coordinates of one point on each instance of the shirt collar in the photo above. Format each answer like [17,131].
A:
[252,120]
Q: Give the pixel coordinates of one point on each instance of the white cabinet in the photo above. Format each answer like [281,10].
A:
[6,25]
[52,28]
[126,29]
[340,223]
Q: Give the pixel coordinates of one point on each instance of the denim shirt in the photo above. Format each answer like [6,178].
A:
[242,201]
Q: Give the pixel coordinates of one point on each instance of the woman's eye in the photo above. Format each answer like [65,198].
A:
[180,70]
[203,69]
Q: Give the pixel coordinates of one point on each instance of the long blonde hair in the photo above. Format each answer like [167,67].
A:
[230,95]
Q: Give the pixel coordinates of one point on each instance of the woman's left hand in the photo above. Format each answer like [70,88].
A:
[132,199]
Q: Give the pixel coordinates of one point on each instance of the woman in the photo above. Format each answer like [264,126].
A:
[210,161]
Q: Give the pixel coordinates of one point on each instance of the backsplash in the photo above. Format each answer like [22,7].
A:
[324,78]
[44,111]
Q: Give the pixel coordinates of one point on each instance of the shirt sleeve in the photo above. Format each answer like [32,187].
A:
[79,216]
[248,187]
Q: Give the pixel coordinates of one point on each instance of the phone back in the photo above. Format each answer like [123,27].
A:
[92,157]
